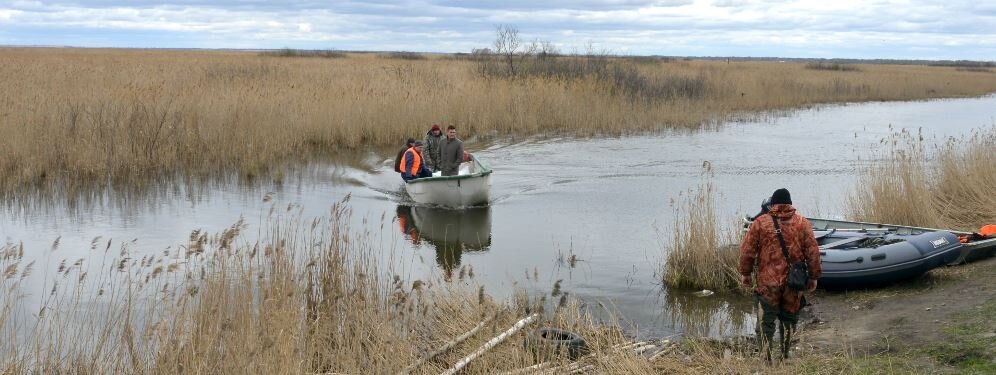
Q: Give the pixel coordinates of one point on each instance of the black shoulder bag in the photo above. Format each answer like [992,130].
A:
[798,272]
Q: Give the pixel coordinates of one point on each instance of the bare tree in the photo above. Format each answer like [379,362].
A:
[546,49]
[507,43]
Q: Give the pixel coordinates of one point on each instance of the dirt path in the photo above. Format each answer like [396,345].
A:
[942,310]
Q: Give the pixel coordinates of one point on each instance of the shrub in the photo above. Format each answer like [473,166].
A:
[288,52]
[832,66]
[405,55]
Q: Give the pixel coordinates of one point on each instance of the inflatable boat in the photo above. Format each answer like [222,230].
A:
[854,259]
[973,246]
[853,256]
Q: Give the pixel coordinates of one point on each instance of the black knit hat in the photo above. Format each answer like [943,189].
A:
[781,196]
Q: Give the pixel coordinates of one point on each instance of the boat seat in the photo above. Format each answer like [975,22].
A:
[842,242]
[829,232]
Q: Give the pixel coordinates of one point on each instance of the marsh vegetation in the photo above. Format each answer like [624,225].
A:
[88,117]
[700,252]
[920,183]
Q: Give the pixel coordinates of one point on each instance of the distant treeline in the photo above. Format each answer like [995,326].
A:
[289,52]
[952,63]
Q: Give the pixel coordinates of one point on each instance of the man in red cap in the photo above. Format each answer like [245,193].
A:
[433,141]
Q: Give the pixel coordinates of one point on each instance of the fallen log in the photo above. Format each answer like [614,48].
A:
[491,344]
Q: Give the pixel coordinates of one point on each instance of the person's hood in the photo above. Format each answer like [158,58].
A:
[782,211]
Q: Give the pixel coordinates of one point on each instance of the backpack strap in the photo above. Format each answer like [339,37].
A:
[781,240]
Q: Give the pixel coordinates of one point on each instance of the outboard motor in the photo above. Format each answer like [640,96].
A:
[765,207]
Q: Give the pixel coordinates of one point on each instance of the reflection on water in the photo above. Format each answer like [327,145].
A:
[708,316]
[450,232]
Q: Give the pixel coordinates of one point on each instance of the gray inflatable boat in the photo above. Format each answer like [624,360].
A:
[853,259]
[856,256]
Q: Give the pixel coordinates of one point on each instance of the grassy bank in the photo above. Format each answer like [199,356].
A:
[947,186]
[82,117]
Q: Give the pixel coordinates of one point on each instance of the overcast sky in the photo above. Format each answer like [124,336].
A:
[911,29]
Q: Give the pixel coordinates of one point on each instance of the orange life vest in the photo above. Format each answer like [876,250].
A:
[988,230]
[416,162]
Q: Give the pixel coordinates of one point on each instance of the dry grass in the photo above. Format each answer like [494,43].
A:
[947,186]
[308,297]
[699,254]
[75,118]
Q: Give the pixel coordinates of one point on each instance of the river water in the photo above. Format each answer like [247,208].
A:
[606,202]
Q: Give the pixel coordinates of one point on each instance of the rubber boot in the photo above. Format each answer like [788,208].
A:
[781,336]
[787,340]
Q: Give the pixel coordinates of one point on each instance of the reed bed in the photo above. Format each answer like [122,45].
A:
[79,118]
[700,252]
[949,185]
[310,296]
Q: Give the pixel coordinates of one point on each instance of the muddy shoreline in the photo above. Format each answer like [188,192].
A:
[941,321]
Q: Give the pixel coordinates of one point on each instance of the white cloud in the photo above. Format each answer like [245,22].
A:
[7,14]
[872,28]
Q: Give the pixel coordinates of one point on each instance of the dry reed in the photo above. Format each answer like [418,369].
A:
[78,118]
[309,296]
[949,185]
[699,254]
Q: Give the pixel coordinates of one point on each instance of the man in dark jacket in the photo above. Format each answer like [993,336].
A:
[451,153]
[762,249]
[433,142]
[397,160]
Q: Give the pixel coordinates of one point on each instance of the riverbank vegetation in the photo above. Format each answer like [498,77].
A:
[75,118]
[308,297]
[317,296]
[700,252]
[949,185]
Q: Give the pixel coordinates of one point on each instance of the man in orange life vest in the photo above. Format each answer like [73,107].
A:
[412,166]
[401,153]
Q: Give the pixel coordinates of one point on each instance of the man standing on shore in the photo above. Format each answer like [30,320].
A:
[774,241]
[451,153]
[433,142]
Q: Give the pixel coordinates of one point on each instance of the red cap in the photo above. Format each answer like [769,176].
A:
[434,127]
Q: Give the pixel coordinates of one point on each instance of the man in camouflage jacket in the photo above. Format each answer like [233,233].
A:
[762,249]
[433,148]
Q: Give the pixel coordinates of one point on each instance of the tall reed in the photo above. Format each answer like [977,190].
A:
[949,185]
[700,252]
[80,118]
[309,296]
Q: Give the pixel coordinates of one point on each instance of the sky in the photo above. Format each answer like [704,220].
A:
[900,29]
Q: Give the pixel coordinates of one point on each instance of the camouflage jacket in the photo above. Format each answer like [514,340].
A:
[433,149]
[762,249]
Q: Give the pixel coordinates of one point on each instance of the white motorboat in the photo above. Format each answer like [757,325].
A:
[470,188]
